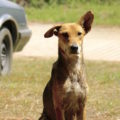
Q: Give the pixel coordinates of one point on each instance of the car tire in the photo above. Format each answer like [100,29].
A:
[6,50]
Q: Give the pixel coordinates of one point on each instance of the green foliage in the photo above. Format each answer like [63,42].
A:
[104,14]
[37,3]
[106,11]
[41,3]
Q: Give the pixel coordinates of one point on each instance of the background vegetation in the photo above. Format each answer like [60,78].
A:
[106,11]
[42,3]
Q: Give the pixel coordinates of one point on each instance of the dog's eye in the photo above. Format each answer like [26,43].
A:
[79,33]
[65,35]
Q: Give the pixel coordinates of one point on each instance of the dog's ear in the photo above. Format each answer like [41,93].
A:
[54,30]
[86,21]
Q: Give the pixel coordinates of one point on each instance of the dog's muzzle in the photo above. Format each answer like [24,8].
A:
[74,49]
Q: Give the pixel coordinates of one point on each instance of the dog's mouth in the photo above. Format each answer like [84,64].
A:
[74,52]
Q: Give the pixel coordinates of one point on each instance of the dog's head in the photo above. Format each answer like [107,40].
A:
[71,35]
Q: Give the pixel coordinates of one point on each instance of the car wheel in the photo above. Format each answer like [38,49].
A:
[6,49]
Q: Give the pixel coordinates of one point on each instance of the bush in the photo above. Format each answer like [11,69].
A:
[41,3]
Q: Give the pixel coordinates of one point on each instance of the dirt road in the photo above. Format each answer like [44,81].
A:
[102,43]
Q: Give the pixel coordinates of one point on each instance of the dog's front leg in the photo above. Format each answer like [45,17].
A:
[57,107]
[81,114]
[59,113]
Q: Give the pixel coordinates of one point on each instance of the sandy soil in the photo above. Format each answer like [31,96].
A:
[102,43]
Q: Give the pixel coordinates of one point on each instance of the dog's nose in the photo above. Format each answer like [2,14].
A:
[74,49]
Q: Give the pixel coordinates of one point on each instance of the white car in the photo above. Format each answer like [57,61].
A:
[14,33]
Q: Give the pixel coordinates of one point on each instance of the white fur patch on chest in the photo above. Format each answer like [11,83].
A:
[73,91]
[72,87]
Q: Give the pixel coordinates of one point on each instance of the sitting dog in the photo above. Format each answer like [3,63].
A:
[65,94]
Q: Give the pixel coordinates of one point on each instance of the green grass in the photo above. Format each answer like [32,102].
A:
[105,14]
[21,92]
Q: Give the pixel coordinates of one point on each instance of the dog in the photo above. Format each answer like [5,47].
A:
[65,94]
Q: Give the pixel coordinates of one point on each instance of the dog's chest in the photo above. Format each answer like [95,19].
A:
[74,90]
[72,86]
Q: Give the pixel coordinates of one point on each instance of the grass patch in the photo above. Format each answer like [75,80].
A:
[105,14]
[21,92]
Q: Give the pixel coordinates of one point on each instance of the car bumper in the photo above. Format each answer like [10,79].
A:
[24,37]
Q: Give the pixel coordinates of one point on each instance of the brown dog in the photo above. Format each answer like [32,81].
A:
[65,94]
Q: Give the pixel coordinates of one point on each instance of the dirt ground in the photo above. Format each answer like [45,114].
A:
[102,43]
